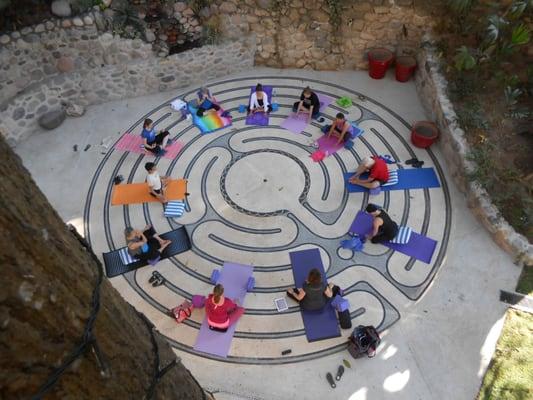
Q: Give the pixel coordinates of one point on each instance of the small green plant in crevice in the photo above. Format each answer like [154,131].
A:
[212,30]
[197,5]
[335,14]
[484,167]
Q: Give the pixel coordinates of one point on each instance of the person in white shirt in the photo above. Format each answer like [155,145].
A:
[259,101]
[156,182]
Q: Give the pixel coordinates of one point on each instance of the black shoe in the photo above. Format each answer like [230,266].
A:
[331,382]
[158,281]
[418,164]
[340,371]
[155,275]
[411,161]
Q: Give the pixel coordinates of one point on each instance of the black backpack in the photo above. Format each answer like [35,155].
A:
[363,340]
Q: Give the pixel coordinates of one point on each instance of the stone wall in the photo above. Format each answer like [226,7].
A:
[431,86]
[49,65]
[298,33]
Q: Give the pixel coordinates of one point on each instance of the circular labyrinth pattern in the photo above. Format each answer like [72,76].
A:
[255,196]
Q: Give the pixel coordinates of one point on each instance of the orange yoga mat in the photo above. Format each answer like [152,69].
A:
[135,193]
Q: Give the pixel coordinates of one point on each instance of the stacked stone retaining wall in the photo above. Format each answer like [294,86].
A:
[431,86]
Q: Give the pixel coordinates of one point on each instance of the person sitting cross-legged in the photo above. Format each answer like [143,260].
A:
[384,228]
[146,244]
[206,102]
[378,173]
[153,142]
[314,293]
[156,183]
[221,312]
[259,101]
[309,104]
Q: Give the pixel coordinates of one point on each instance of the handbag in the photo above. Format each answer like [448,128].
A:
[183,311]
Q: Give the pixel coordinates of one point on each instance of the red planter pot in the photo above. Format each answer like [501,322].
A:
[424,134]
[405,66]
[379,61]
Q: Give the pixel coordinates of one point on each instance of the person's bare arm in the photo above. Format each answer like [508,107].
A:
[328,292]
[148,146]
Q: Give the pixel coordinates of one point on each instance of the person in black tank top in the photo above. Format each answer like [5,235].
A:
[384,228]
[315,293]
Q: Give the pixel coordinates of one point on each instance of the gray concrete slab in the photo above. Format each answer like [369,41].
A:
[255,196]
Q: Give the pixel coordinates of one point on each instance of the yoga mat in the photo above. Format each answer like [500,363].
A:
[135,193]
[329,145]
[298,122]
[234,278]
[321,324]
[260,118]
[419,246]
[133,144]
[211,121]
[412,178]
[180,243]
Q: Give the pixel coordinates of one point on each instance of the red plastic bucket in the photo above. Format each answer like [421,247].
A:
[424,134]
[405,66]
[379,61]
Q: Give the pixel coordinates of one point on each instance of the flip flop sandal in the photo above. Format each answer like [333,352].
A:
[159,281]
[411,161]
[155,275]
[321,119]
[340,371]
[418,164]
[331,382]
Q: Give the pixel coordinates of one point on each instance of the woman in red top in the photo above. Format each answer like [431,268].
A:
[221,311]
[378,173]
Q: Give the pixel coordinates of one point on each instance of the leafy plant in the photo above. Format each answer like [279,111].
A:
[517,8]
[512,95]
[520,35]
[463,59]
[212,30]
[126,16]
[471,116]
[197,5]
[335,13]
[460,6]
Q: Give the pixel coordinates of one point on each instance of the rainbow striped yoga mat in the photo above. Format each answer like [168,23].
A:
[211,121]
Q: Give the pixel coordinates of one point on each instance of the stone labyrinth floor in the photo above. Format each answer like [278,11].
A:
[256,195]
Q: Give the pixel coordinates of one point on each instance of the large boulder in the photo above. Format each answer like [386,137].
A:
[61,8]
[52,119]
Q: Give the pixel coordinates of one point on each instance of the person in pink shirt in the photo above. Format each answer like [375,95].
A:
[221,312]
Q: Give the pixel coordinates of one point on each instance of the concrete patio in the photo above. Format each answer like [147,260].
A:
[439,321]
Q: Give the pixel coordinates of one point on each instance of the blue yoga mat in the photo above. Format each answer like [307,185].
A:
[412,178]
[322,324]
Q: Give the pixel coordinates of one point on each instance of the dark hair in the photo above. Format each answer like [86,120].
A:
[258,87]
[128,231]
[149,166]
[147,122]
[314,277]
[218,291]
[308,90]
[371,208]
[340,116]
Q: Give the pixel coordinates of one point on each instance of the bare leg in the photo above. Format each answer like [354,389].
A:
[164,245]
[360,169]
[368,185]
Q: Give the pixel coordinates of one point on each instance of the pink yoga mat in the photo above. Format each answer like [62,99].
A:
[132,143]
[297,122]
[329,144]
[234,278]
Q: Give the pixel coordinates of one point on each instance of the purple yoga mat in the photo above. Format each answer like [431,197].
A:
[234,278]
[260,118]
[419,246]
[329,145]
[297,122]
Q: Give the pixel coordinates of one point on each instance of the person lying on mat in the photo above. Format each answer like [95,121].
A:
[259,101]
[314,294]
[308,104]
[154,142]
[221,312]
[206,102]
[156,183]
[146,244]
[339,128]
[378,173]
[383,227]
